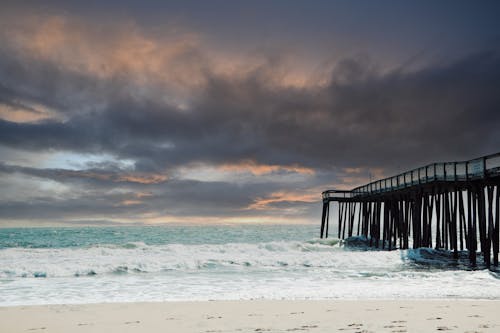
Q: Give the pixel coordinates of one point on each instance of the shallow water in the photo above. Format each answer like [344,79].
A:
[121,264]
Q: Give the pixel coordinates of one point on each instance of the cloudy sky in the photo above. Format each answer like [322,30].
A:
[233,111]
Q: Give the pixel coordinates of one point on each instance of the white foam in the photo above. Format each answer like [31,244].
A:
[141,258]
[315,269]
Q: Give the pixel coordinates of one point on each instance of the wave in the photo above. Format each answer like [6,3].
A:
[324,241]
[335,258]
[312,269]
[139,258]
[442,259]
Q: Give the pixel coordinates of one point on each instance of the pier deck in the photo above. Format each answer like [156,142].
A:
[450,205]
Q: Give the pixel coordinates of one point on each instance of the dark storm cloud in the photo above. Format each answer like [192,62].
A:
[95,196]
[26,79]
[97,176]
[162,100]
[362,118]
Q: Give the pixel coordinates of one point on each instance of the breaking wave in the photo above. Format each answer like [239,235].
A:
[223,263]
[139,258]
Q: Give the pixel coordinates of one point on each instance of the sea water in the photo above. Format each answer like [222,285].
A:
[241,262]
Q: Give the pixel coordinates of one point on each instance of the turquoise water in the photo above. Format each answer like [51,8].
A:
[171,263]
[151,235]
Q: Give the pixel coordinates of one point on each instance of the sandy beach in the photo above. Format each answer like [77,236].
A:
[257,316]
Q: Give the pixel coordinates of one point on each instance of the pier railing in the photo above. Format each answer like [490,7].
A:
[478,168]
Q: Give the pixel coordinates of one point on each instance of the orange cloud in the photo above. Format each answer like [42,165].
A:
[130,203]
[354,177]
[262,169]
[282,196]
[176,60]
[143,195]
[352,170]
[167,61]
[140,178]
[137,198]
[26,113]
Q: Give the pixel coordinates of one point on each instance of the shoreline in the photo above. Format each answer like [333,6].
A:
[194,301]
[454,315]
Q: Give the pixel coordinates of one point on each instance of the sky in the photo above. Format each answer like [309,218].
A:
[150,112]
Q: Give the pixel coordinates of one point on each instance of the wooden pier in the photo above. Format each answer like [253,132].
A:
[452,206]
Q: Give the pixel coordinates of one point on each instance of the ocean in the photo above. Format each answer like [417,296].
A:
[240,262]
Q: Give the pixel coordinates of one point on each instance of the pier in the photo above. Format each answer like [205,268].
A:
[452,206]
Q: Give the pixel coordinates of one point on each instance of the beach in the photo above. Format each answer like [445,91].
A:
[232,279]
[257,316]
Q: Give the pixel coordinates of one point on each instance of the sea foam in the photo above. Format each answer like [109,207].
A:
[238,264]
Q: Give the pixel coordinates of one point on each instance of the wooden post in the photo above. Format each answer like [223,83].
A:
[394,222]
[340,220]
[365,219]
[491,226]
[327,218]
[446,218]
[463,230]
[399,222]
[363,223]
[482,227]
[429,204]
[431,209]
[349,226]
[416,221]
[438,220]
[496,230]
[454,223]
[407,220]
[344,220]
[350,231]
[473,236]
[370,220]
[351,221]
[386,224]
[377,218]
[323,219]
[359,219]
[471,231]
